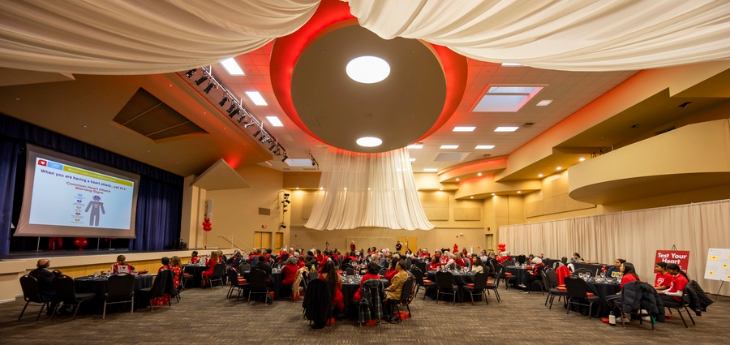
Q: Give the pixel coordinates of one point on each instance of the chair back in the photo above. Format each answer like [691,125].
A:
[317,301]
[545,280]
[480,281]
[120,286]
[382,271]
[350,271]
[418,274]
[257,279]
[521,259]
[233,277]
[313,275]
[577,288]
[486,270]
[219,270]
[444,280]
[500,274]
[508,263]
[159,286]
[422,266]
[244,267]
[552,277]
[31,293]
[65,289]
[407,292]
[564,260]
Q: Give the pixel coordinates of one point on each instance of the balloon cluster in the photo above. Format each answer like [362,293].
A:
[456,248]
[206,225]
[81,242]
[502,247]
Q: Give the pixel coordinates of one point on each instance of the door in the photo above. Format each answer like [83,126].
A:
[403,241]
[257,239]
[266,240]
[278,241]
[413,244]
[489,242]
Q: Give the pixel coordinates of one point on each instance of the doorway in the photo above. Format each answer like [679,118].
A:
[278,241]
[408,243]
[261,240]
[489,242]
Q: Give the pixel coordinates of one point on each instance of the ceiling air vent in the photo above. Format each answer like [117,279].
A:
[527,125]
[152,118]
[665,130]
[264,211]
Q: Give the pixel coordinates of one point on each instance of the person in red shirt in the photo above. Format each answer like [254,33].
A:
[629,274]
[459,260]
[437,254]
[289,271]
[679,281]
[534,273]
[391,272]
[318,255]
[194,257]
[504,256]
[663,279]
[210,264]
[121,266]
[323,258]
[435,265]
[352,246]
[373,269]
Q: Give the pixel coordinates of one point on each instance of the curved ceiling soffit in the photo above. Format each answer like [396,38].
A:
[333,15]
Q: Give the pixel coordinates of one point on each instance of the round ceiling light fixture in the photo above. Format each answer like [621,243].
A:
[367,69]
[369,141]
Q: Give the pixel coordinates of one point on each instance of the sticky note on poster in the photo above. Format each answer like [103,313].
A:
[712,273]
[714,258]
[724,266]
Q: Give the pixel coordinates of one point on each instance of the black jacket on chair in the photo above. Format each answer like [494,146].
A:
[317,303]
[639,295]
[698,300]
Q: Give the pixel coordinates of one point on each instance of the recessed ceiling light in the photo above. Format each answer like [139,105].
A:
[256,98]
[430,170]
[511,64]
[581,159]
[464,129]
[367,69]
[321,188]
[297,187]
[471,197]
[441,189]
[413,159]
[275,121]
[560,168]
[540,175]
[519,192]
[544,102]
[492,194]
[484,147]
[415,146]
[506,129]
[449,146]
[369,141]
[231,66]
[345,188]
[457,179]
[479,174]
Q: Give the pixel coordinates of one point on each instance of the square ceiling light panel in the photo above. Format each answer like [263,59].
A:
[451,156]
[505,98]
[299,162]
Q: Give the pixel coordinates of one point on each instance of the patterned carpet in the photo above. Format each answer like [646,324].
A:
[205,316]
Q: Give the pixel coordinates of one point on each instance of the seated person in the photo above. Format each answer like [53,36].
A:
[534,273]
[663,279]
[318,256]
[679,280]
[391,272]
[194,257]
[165,299]
[478,265]
[290,273]
[264,266]
[121,266]
[221,258]
[424,253]
[629,274]
[615,270]
[503,256]
[393,292]
[437,254]
[334,282]
[576,258]
[44,276]
[459,260]
[210,264]
[372,273]
[449,261]
[176,268]
[234,261]
[383,261]
[435,264]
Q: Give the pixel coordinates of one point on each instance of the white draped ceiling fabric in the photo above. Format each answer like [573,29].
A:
[633,235]
[577,35]
[367,190]
[139,36]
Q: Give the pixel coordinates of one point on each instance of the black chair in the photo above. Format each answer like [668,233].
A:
[185,278]
[578,292]
[504,276]
[422,266]
[350,271]
[218,271]
[553,287]
[405,297]
[31,293]
[564,260]
[678,306]
[120,289]
[521,259]
[480,285]
[495,287]
[445,285]
[313,275]
[420,283]
[382,271]
[257,284]
[244,267]
[508,263]
[317,303]
[235,284]
[162,285]
[66,293]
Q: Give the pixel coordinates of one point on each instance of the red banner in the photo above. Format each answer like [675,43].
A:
[679,257]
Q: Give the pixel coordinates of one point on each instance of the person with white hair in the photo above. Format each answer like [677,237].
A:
[535,274]
[450,262]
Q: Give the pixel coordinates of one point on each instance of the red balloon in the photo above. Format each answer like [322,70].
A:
[81,242]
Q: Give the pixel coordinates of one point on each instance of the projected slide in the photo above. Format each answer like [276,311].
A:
[69,196]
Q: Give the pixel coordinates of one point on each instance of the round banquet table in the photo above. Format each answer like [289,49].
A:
[99,286]
[521,276]
[460,279]
[197,272]
[602,290]
[277,278]
[350,285]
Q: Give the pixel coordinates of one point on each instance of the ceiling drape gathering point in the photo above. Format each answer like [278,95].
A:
[367,190]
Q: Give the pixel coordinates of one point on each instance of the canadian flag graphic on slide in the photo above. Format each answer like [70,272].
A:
[42,162]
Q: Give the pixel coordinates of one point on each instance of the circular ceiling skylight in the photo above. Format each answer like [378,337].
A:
[369,141]
[368,69]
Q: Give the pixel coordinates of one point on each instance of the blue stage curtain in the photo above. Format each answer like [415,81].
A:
[8,163]
[158,215]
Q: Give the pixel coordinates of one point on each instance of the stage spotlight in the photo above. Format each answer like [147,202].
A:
[233,106]
[190,73]
[263,139]
[272,146]
[241,120]
[285,210]
[249,125]
[276,152]
[282,226]
[234,112]
[201,80]
[313,163]
[287,201]
[257,133]
[286,195]
[285,158]
[209,87]
[223,101]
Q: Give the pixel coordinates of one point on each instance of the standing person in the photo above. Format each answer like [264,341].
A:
[352,246]
[394,291]
[398,247]
[615,270]
[663,279]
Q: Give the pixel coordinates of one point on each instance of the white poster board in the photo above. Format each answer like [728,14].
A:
[718,264]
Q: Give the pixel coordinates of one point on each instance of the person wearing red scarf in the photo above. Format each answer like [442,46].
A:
[534,273]
[435,265]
